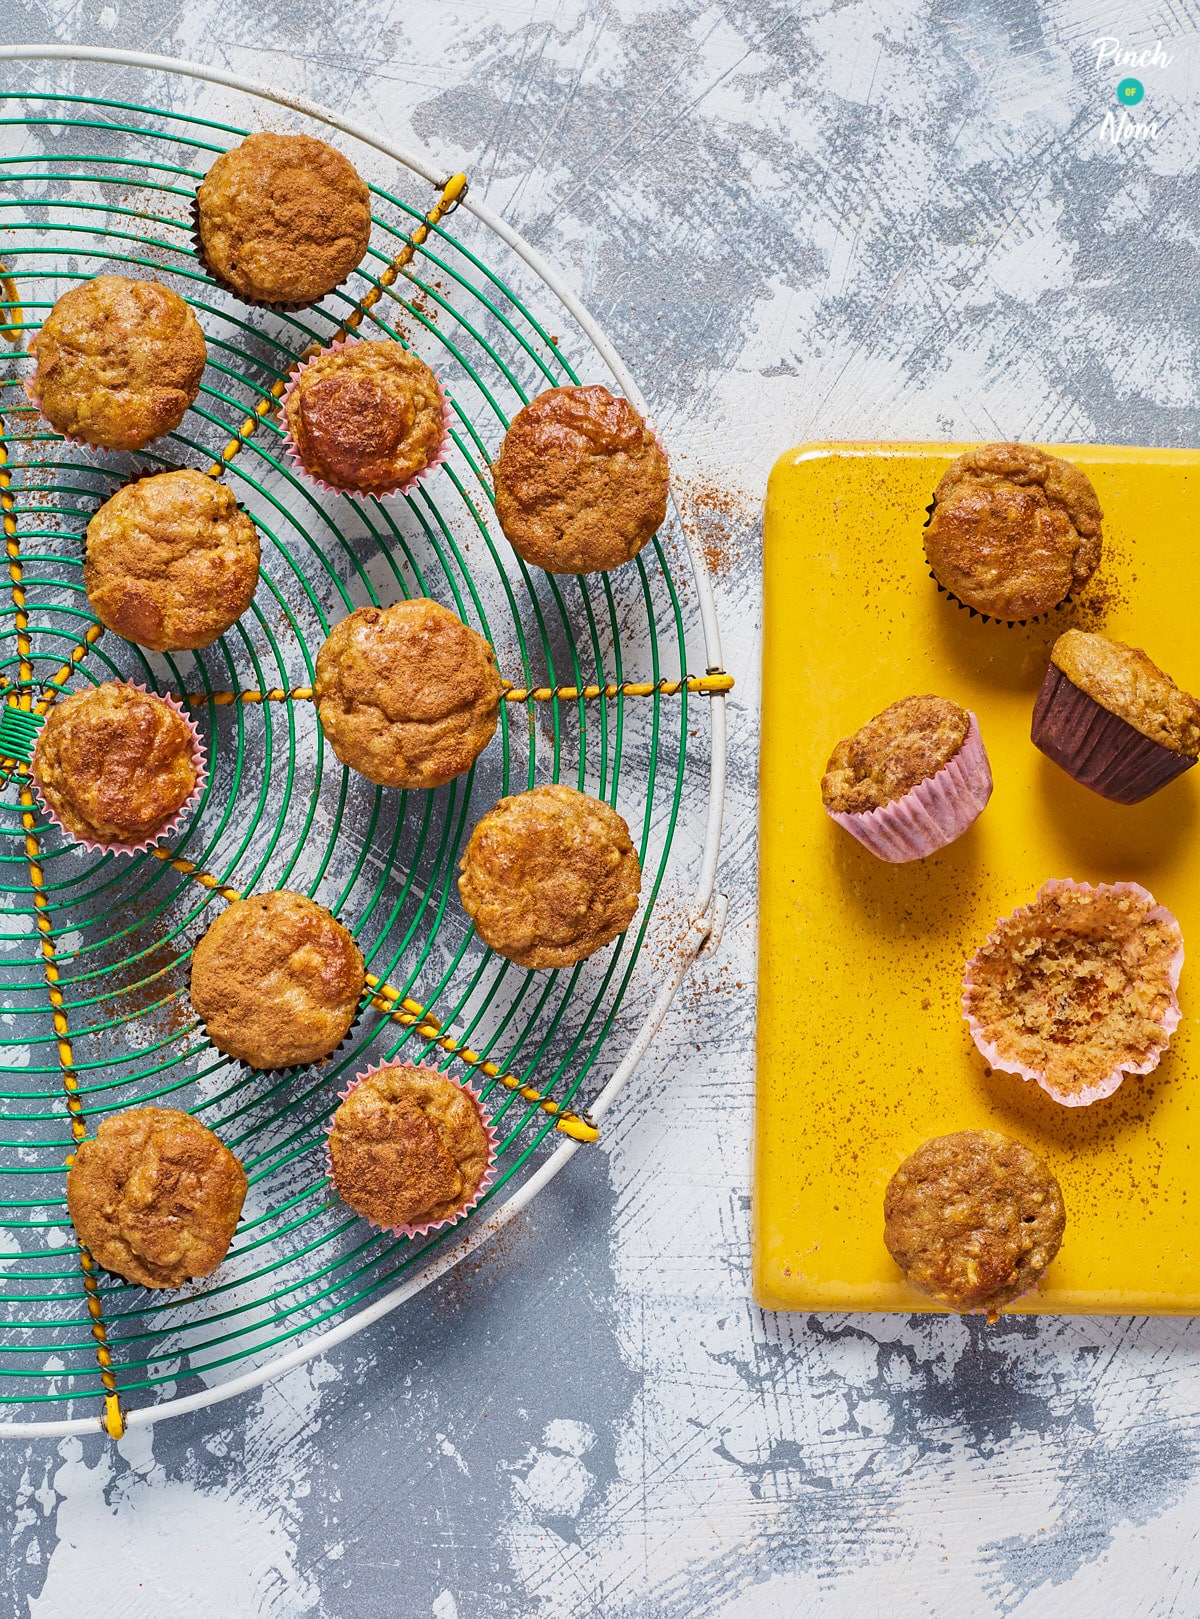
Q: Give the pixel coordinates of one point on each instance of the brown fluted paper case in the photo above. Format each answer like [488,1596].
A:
[1097,748]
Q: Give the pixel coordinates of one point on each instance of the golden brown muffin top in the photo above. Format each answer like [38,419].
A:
[171,561]
[118,362]
[550,876]
[155,1196]
[366,417]
[909,742]
[407,1147]
[283,218]
[115,764]
[408,695]
[276,981]
[1075,984]
[1014,531]
[973,1219]
[1125,681]
[581,482]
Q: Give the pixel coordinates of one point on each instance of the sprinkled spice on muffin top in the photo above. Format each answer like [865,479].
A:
[891,754]
[1128,683]
[973,1219]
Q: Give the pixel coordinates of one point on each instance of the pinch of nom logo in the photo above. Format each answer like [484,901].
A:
[1117,127]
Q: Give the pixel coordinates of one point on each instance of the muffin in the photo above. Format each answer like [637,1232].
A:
[911,780]
[276,981]
[171,561]
[1013,531]
[155,1196]
[1077,989]
[365,416]
[1113,720]
[581,481]
[282,218]
[408,1148]
[974,1220]
[118,362]
[115,764]
[550,876]
[407,695]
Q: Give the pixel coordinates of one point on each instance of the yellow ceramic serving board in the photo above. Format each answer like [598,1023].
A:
[862,1049]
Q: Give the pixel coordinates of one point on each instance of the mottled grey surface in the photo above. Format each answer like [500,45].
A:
[796,221]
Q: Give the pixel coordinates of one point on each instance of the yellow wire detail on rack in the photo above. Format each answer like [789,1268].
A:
[513,694]
[113,1421]
[12,318]
[414,1016]
[452,193]
[190,869]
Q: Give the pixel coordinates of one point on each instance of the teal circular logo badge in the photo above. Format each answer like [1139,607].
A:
[1130,92]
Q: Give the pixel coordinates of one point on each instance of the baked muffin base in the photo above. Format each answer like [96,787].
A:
[1096,747]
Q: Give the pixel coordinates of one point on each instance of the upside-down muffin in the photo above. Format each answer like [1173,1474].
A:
[155,1196]
[973,1219]
[115,764]
[407,695]
[276,981]
[581,481]
[408,1147]
[1110,717]
[282,218]
[171,561]
[366,417]
[550,876]
[118,362]
[1014,531]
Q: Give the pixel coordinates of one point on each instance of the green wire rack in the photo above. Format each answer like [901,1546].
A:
[94,951]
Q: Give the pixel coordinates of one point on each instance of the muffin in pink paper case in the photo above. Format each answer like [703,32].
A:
[366,418]
[117,767]
[410,1149]
[911,780]
[1077,989]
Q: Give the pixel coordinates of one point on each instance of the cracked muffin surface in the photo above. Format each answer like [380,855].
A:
[118,362]
[283,218]
[277,980]
[1127,682]
[171,561]
[407,1147]
[550,876]
[155,1196]
[581,481]
[407,695]
[115,764]
[973,1219]
[891,754]
[1014,531]
[367,417]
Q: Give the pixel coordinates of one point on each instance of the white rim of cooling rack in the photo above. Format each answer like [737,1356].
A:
[709,907]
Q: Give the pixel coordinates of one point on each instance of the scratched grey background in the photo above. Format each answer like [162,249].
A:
[796,221]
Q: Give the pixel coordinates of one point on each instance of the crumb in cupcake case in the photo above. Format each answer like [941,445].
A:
[409,1148]
[973,1219]
[407,695]
[369,417]
[550,876]
[1013,531]
[1113,720]
[171,561]
[581,481]
[282,219]
[155,1196]
[115,765]
[277,981]
[1077,989]
[911,780]
[118,362]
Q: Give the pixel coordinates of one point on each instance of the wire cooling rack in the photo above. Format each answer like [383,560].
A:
[615,685]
